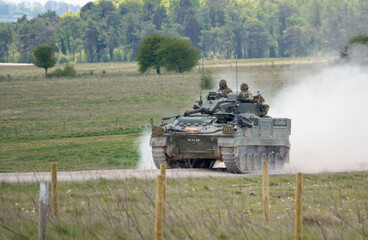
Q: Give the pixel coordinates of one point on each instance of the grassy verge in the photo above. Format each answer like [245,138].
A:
[334,207]
[81,153]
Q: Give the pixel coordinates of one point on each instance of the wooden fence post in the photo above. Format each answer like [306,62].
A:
[163,174]
[266,198]
[54,194]
[159,204]
[298,206]
[44,202]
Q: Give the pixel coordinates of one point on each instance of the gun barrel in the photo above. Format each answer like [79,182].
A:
[193,111]
[167,118]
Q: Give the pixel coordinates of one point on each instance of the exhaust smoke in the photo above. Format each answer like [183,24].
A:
[329,128]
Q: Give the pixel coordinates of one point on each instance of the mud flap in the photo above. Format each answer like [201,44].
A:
[219,164]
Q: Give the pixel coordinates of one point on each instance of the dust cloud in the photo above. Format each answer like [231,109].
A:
[329,129]
[329,121]
[145,152]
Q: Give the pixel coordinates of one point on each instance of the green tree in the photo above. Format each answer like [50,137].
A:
[5,42]
[178,55]
[44,57]
[90,38]
[159,17]
[147,55]
[297,40]
[67,29]
[359,39]
[174,54]
[361,43]
[186,15]
[257,38]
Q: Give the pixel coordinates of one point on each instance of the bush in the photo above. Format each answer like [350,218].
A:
[63,59]
[356,48]
[207,80]
[105,58]
[67,71]
[117,56]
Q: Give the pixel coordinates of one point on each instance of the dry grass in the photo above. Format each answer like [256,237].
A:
[334,207]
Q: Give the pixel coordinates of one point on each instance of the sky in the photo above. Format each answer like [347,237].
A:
[74,2]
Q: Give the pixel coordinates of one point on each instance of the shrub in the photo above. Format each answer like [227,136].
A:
[117,56]
[67,71]
[207,80]
[356,48]
[63,59]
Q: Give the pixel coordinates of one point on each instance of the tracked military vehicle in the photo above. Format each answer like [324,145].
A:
[222,132]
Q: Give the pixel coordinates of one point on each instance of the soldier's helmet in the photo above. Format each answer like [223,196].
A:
[222,84]
[244,87]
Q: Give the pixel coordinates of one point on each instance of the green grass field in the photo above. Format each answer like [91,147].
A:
[93,122]
[37,113]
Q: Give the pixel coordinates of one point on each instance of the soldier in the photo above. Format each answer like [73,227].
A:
[224,89]
[245,94]
[264,107]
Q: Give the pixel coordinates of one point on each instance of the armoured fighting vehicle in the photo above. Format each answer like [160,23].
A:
[222,132]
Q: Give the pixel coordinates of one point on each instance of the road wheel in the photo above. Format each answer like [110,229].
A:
[256,162]
[271,162]
[278,161]
[249,164]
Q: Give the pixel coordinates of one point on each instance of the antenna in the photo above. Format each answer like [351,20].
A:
[236,69]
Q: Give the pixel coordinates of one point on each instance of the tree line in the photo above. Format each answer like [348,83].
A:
[9,12]
[104,31]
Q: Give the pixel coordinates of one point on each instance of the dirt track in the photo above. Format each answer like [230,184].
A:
[16,64]
[80,176]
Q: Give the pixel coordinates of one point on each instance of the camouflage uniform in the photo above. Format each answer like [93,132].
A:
[224,89]
[245,93]
[264,107]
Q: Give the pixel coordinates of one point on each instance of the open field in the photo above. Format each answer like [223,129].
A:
[93,121]
[45,120]
[334,207]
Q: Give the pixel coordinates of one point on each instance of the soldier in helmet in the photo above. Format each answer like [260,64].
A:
[224,89]
[264,107]
[245,94]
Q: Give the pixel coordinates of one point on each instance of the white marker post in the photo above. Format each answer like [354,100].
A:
[44,202]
